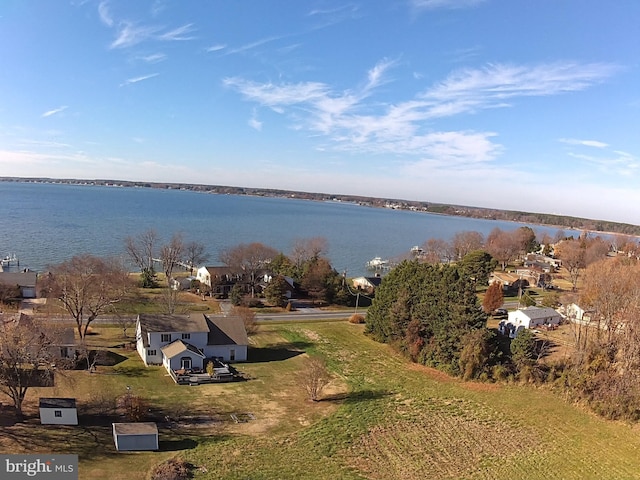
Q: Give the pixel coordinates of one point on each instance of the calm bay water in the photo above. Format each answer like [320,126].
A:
[44,224]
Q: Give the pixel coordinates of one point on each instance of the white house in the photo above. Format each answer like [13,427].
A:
[576,314]
[135,436]
[58,411]
[532,317]
[187,341]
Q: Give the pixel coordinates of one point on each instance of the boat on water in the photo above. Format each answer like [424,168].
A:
[377,263]
[9,259]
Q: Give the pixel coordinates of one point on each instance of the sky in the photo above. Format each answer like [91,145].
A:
[508,104]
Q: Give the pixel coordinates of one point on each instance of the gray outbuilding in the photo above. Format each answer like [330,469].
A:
[137,436]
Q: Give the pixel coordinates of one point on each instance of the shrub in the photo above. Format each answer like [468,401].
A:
[356,318]
[172,469]
[254,303]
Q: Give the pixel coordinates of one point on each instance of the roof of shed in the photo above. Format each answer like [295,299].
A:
[137,428]
[57,403]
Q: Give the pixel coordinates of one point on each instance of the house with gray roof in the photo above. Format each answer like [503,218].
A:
[530,317]
[189,341]
[23,282]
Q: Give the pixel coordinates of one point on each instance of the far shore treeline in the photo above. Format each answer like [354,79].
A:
[553,220]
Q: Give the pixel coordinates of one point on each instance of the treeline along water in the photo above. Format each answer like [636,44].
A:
[44,224]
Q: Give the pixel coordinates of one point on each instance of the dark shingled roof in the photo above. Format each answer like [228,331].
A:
[228,330]
[57,403]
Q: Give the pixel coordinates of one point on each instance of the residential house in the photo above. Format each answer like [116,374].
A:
[367,284]
[219,279]
[577,314]
[137,436]
[291,288]
[59,340]
[509,281]
[188,341]
[530,317]
[24,282]
[58,411]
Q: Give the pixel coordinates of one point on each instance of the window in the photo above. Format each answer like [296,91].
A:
[165,337]
[151,353]
[232,355]
[186,336]
[57,413]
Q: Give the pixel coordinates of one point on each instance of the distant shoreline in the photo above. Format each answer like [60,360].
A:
[549,220]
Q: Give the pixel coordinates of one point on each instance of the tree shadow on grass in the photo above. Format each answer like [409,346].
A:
[176,444]
[133,371]
[276,353]
[359,396]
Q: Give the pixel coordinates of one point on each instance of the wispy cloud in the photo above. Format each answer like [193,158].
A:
[179,34]
[254,122]
[105,14]
[355,120]
[217,47]
[153,58]
[55,111]
[129,34]
[252,45]
[586,143]
[138,79]
[443,4]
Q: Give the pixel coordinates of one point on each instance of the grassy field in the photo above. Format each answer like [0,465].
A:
[381,418]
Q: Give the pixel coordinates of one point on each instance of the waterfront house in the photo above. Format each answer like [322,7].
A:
[23,282]
[367,284]
[188,341]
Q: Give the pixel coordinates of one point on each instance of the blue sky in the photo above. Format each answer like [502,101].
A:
[509,104]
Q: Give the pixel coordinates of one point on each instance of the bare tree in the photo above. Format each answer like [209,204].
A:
[27,358]
[436,250]
[503,246]
[141,249]
[248,318]
[171,255]
[87,287]
[195,254]
[315,377]
[306,250]
[572,254]
[248,259]
[467,242]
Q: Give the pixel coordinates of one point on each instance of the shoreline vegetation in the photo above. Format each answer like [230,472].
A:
[546,219]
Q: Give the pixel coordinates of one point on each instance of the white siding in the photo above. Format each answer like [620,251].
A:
[58,416]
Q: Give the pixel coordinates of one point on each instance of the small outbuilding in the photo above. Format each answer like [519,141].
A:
[138,436]
[58,411]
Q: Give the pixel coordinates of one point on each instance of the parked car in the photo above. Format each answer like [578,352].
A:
[500,312]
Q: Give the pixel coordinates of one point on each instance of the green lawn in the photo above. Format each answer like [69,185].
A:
[381,418]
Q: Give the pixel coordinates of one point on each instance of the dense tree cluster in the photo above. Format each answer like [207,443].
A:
[426,310]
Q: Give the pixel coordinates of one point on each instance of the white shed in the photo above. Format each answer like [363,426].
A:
[135,436]
[58,411]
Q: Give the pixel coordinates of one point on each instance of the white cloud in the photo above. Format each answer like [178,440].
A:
[586,143]
[129,34]
[138,79]
[179,34]
[352,120]
[105,15]
[153,58]
[55,111]
[216,47]
[444,4]
[254,122]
